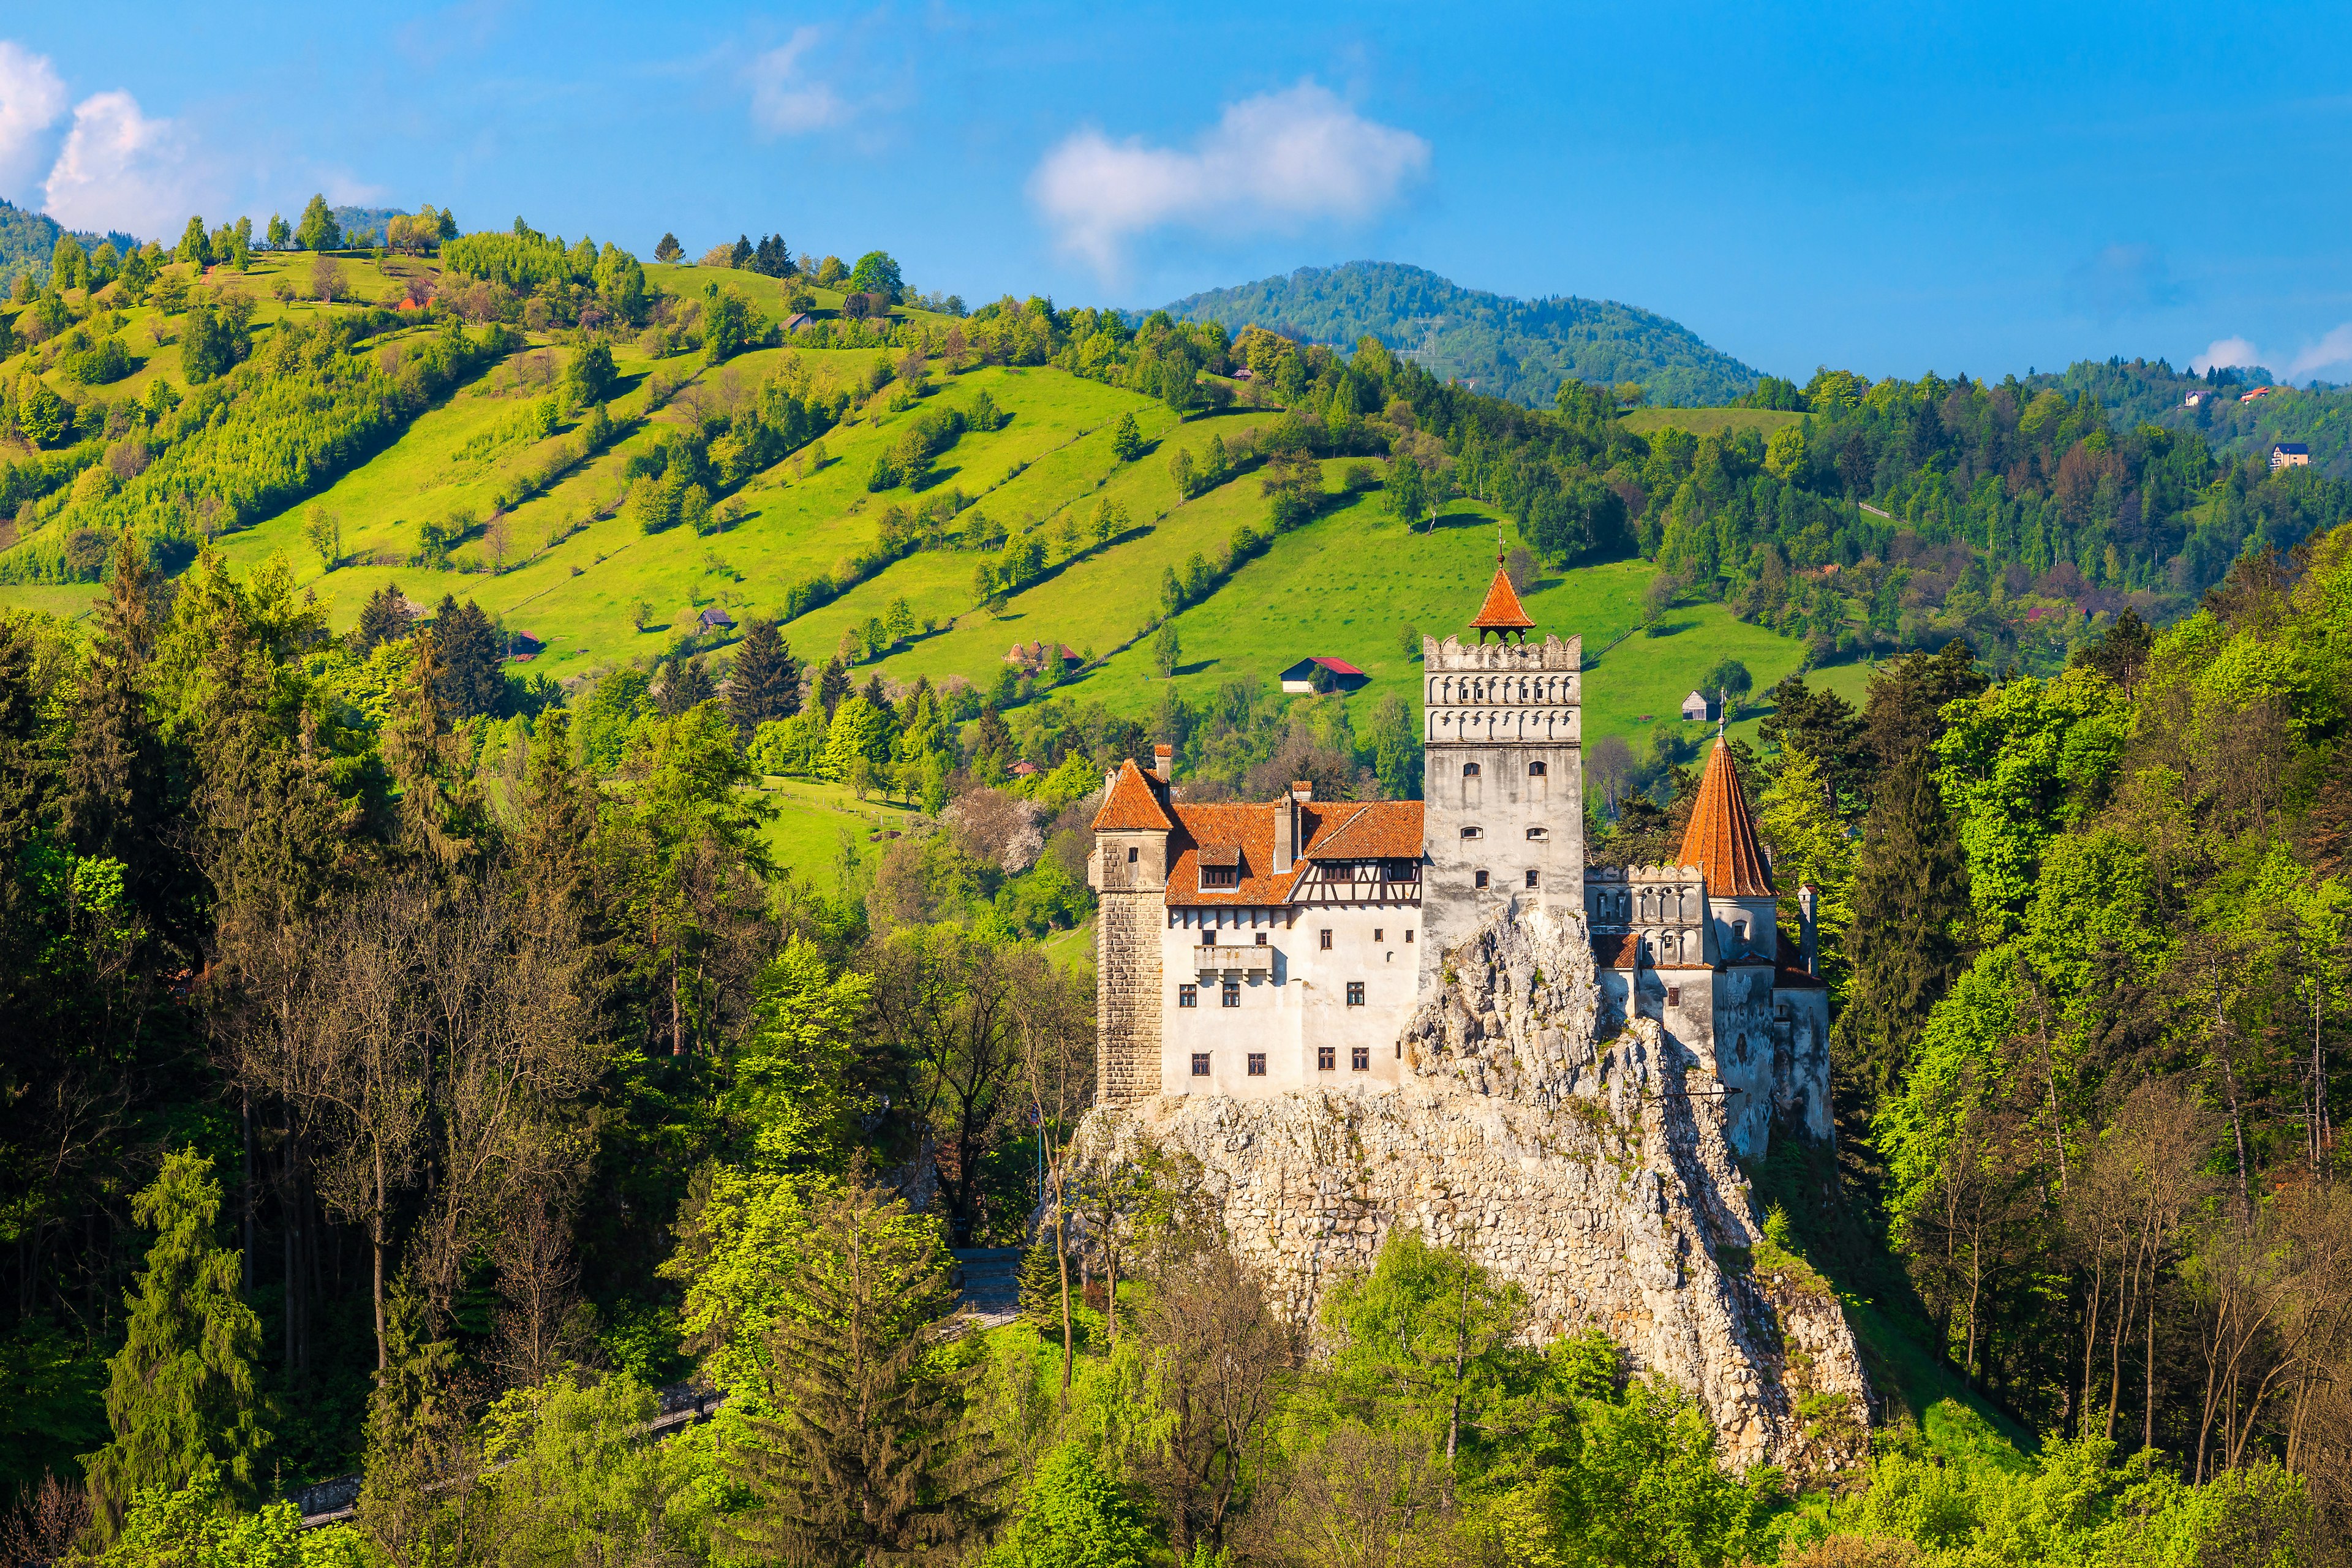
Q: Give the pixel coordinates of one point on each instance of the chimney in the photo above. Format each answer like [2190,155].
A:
[1289,835]
[1808,926]
[1163,763]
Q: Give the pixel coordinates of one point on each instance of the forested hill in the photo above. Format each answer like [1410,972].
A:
[28,240]
[2246,413]
[1519,350]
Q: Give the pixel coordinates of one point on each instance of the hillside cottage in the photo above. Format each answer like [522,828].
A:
[2197,399]
[1048,658]
[1696,708]
[2290,454]
[714,619]
[1335,675]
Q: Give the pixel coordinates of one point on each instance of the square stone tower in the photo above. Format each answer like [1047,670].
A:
[1502,778]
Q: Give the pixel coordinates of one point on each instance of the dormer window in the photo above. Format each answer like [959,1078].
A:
[1474,833]
[1469,770]
[1539,834]
[1535,770]
[1220,876]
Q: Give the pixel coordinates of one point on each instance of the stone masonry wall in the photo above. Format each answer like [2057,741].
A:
[1127,997]
[1591,1171]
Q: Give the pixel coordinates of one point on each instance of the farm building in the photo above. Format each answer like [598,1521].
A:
[1317,673]
[1029,658]
[1696,707]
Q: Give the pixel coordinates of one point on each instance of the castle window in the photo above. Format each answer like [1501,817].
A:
[1220,876]
[1532,876]
[1474,833]
[1231,994]
[1535,770]
[1469,770]
[1131,853]
[1257,1064]
[1538,834]
[1408,936]
[1673,995]
[1355,993]
[1327,1058]
[1188,995]
[1360,1057]
[1208,936]
[1200,1063]
[1479,878]
[1376,934]
[1327,939]
[1261,939]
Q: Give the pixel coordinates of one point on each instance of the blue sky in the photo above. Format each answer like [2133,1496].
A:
[1979,188]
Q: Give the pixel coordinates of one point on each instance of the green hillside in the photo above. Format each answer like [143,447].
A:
[1520,349]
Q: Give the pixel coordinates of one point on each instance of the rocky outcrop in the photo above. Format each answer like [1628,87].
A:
[1592,1170]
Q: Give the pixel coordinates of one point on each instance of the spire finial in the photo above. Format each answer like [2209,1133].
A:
[1498,538]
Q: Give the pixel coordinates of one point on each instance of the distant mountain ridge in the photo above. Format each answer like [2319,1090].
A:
[27,240]
[1516,348]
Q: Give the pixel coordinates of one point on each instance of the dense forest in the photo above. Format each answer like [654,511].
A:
[420,1072]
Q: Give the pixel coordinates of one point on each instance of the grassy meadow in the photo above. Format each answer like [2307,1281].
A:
[1708,421]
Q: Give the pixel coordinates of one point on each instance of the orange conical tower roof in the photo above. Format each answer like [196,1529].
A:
[1501,612]
[1721,840]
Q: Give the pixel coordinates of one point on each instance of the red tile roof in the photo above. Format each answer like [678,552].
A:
[1133,805]
[1501,612]
[1341,667]
[1244,835]
[1721,841]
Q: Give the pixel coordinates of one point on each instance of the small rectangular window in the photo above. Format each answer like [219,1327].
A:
[1408,936]
[1531,878]
[1355,993]
[1200,1063]
[1131,853]
[1480,879]
[1257,1064]
[1188,995]
[1261,939]
[1376,934]
[1326,1058]
[1327,939]
[1359,1058]
[1232,997]
[1673,995]
[1220,876]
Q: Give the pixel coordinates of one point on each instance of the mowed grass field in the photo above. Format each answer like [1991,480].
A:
[1708,421]
[820,826]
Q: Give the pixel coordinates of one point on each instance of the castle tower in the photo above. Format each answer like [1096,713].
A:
[1504,774]
[1721,842]
[1129,871]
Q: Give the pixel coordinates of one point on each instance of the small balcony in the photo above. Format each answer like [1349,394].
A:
[1232,960]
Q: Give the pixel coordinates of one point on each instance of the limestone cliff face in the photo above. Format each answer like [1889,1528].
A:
[1592,1171]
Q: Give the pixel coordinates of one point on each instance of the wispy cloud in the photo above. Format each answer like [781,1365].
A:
[785,99]
[2224,353]
[32,100]
[120,169]
[2331,351]
[1278,162]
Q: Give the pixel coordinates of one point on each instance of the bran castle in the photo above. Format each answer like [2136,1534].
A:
[1250,950]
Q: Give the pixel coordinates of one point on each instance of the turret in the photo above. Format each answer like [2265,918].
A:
[1721,842]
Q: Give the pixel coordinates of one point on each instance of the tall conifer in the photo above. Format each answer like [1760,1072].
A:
[765,683]
[1909,938]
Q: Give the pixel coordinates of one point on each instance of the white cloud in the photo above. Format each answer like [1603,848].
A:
[783,100]
[2334,349]
[121,169]
[1275,160]
[2224,352]
[32,97]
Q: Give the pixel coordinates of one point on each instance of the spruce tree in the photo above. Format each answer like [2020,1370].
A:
[181,1395]
[831,686]
[873,1457]
[472,674]
[553,847]
[1907,939]
[765,682]
[120,791]
[383,618]
[687,685]
[1907,695]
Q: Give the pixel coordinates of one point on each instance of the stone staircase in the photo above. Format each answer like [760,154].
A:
[988,1283]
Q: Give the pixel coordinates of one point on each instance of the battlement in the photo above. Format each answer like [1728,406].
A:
[1551,655]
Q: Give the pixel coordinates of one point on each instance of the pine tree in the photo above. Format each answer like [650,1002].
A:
[441,805]
[553,846]
[875,694]
[874,1457]
[687,685]
[1040,1286]
[120,790]
[473,677]
[831,686]
[740,256]
[383,618]
[1125,439]
[181,1395]
[765,682]
[667,248]
[1906,941]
